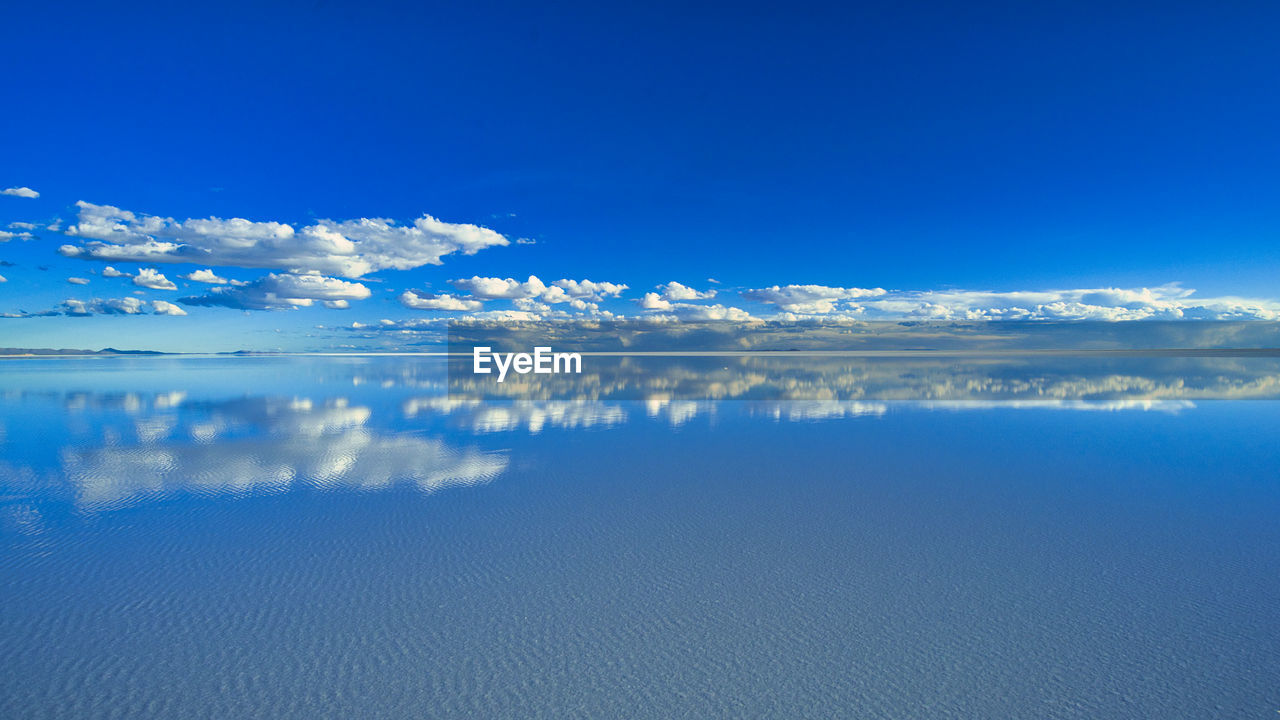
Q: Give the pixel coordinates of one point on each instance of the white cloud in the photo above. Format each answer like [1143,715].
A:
[6,236]
[350,248]
[436,324]
[590,290]
[22,226]
[675,292]
[22,192]
[503,316]
[109,306]
[654,301]
[78,280]
[672,297]
[411,299]
[489,288]
[1166,302]
[150,278]
[283,292]
[163,307]
[296,442]
[560,291]
[532,306]
[204,276]
[3,279]
[705,313]
[110,272]
[799,302]
[808,298]
[689,312]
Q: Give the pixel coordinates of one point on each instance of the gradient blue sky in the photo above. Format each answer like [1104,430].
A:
[913,147]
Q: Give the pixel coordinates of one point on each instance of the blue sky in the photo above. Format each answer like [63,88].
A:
[969,159]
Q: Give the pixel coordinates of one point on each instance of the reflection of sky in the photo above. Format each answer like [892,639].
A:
[978,539]
[149,428]
[1048,378]
[128,447]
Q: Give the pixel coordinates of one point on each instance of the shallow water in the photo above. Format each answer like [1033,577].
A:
[698,537]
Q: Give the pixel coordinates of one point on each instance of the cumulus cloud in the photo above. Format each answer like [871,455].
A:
[1166,302]
[107,306]
[676,292]
[78,280]
[560,291]
[150,278]
[800,302]
[110,306]
[504,316]
[670,295]
[282,292]
[437,324]
[533,306]
[408,325]
[654,301]
[3,279]
[22,192]
[110,272]
[689,312]
[295,442]
[163,307]
[349,248]
[411,299]
[809,298]
[204,276]
[6,236]
[590,290]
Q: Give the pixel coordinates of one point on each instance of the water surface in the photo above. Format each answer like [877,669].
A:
[699,537]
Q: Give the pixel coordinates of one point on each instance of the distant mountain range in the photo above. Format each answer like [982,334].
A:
[65,351]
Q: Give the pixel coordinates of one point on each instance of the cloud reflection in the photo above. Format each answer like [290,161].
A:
[658,381]
[264,445]
[399,423]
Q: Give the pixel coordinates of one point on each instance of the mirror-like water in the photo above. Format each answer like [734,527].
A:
[1074,537]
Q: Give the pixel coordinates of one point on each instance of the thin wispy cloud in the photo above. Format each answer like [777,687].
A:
[22,192]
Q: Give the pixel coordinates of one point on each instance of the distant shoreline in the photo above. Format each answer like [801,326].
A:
[20,353]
